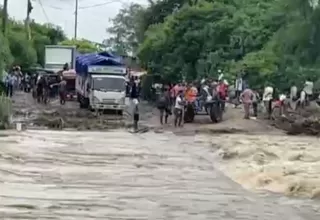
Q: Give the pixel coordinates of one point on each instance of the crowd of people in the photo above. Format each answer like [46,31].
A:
[15,80]
[41,85]
[175,97]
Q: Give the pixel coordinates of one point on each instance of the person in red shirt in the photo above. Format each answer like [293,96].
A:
[222,91]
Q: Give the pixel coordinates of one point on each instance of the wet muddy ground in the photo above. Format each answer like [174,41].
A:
[167,173]
[69,116]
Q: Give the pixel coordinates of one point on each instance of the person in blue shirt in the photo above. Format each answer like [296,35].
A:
[10,81]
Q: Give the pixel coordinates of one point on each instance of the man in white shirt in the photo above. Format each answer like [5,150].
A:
[293,93]
[307,92]
[178,109]
[267,99]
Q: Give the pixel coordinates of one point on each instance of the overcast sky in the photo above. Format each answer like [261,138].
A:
[93,16]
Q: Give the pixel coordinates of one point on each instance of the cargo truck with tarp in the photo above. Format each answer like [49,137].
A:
[100,82]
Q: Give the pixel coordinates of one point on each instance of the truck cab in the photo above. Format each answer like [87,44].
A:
[102,87]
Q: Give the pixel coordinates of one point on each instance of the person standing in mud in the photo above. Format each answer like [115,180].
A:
[247,97]
[255,102]
[267,99]
[10,80]
[62,90]
[42,88]
[178,109]
[222,90]
[134,90]
[238,88]
[164,105]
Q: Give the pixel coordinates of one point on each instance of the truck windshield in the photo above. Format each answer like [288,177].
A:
[109,84]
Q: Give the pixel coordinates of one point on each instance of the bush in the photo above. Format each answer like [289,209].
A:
[5,111]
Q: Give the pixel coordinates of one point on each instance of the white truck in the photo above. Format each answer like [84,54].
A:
[102,87]
[56,56]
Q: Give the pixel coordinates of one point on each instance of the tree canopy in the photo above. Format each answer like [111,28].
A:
[277,40]
[17,49]
[83,45]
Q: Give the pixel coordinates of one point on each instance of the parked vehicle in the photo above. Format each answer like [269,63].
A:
[100,83]
[57,56]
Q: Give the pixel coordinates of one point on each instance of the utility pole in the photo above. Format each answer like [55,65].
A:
[76,19]
[27,22]
[5,17]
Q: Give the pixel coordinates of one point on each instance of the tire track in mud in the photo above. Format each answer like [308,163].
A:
[118,175]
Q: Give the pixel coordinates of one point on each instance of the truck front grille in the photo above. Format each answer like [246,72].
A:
[109,101]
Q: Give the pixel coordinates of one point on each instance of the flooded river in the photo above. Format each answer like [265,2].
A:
[119,175]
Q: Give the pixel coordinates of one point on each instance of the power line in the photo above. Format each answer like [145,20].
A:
[44,11]
[101,4]
[55,7]
[85,7]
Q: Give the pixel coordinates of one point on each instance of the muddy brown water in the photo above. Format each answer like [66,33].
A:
[176,174]
[119,175]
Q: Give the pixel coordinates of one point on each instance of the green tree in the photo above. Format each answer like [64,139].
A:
[276,39]
[83,45]
[124,32]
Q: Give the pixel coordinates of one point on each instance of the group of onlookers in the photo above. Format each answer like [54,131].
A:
[175,97]
[12,80]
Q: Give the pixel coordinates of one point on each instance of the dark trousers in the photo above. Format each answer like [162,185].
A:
[62,95]
[9,90]
[268,105]
[255,109]
[164,111]
[178,117]
[246,107]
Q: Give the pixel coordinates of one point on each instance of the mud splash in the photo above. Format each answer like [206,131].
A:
[279,164]
[303,121]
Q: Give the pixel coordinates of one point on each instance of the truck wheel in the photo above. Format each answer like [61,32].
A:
[81,105]
[86,103]
[78,97]
[215,113]
[189,114]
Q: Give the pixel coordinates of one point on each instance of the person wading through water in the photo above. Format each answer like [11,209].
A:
[178,109]
[164,105]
